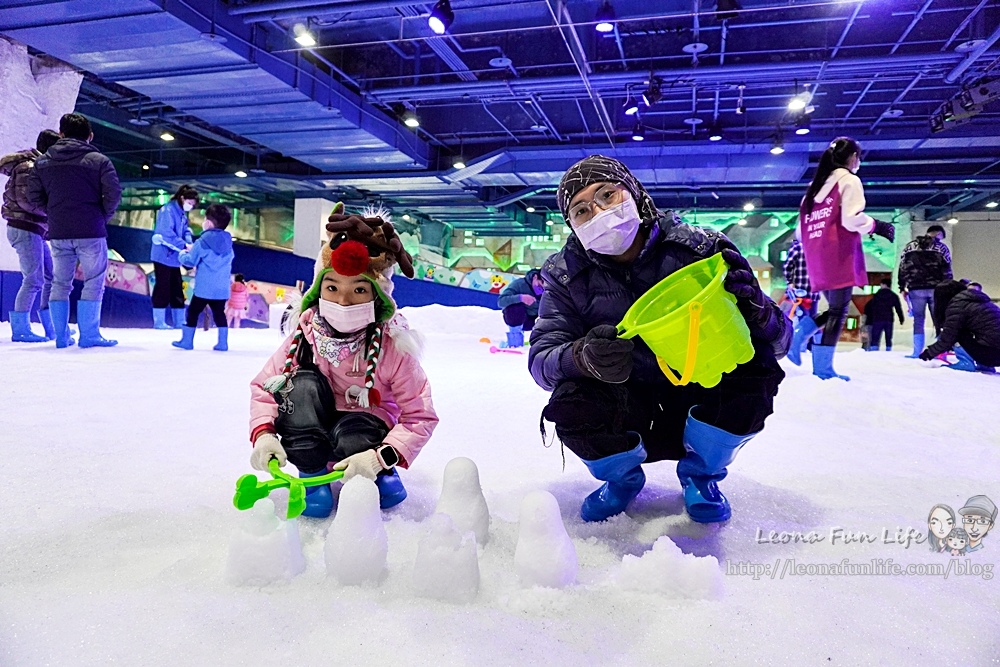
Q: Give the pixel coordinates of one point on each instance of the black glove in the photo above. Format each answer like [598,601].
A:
[926,355]
[885,230]
[742,283]
[602,355]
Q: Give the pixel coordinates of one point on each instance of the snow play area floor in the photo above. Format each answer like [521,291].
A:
[118,528]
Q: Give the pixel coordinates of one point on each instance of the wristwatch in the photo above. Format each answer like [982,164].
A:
[387,456]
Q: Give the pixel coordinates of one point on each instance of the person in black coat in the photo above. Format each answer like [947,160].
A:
[611,404]
[878,315]
[968,319]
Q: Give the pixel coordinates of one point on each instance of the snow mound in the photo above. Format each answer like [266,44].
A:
[447,565]
[264,549]
[666,570]
[545,555]
[462,499]
[357,545]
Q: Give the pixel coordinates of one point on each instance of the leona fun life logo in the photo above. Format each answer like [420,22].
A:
[957,535]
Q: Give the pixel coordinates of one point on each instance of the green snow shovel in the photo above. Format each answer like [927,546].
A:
[249,489]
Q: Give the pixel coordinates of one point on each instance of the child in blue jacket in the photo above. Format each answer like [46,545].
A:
[212,256]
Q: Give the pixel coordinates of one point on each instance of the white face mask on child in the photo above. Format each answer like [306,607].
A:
[347,319]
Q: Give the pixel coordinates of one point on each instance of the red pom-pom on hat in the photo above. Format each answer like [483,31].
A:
[350,258]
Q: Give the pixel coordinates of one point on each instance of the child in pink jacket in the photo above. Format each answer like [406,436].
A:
[237,303]
[346,387]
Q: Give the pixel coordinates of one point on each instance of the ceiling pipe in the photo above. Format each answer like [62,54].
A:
[973,56]
[292,9]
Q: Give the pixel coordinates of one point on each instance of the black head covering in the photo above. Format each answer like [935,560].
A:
[601,169]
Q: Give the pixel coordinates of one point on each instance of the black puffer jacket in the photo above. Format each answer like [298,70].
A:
[78,187]
[925,263]
[968,312]
[17,210]
[584,289]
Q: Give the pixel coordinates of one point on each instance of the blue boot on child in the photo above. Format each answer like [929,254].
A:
[319,499]
[623,480]
[709,451]
[515,336]
[187,339]
[391,491]
[805,328]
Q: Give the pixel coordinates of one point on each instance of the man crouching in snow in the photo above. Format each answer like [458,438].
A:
[611,404]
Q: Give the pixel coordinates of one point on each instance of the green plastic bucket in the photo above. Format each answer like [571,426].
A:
[691,324]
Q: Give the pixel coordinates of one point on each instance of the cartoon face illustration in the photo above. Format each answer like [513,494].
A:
[957,540]
[978,516]
[940,521]
[497,283]
[112,275]
[976,526]
[429,273]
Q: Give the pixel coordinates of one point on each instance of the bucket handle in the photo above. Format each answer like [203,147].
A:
[692,350]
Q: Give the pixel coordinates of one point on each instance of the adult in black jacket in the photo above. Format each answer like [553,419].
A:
[878,315]
[969,319]
[925,262]
[611,404]
[78,188]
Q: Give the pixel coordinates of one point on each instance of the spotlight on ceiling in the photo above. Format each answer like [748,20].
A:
[652,94]
[715,132]
[459,163]
[406,216]
[166,136]
[638,132]
[441,17]
[777,146]
[992,204]
[530,209]
[953,221]
[802,125]
[302,35]
[631,106]
[742,222]
[741,106]
[749,206]
[410,119]
[145,167]
[240,173]
[139,122]
[799,102]
[605,18]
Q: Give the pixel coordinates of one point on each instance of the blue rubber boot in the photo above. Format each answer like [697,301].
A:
[805,328]
[918,346]
[709,451]
[965,361]
[60,323]
[45,317]
[88,316]
[20,327]
[179,317]
[623,480]
[187,339]
[223,344]
[823,363]
[160,319]
[515,336]
[391,491]
[319,499]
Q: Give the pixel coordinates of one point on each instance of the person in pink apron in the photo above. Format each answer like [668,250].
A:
[832,220]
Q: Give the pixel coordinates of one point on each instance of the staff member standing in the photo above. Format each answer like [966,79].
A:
[171,237]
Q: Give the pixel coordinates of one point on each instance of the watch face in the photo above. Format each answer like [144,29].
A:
[389,456]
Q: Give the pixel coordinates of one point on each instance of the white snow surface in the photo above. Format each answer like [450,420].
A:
[545,555]
[447,564]
[120,465]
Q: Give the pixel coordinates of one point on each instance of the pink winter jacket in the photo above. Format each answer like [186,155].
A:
[406,405]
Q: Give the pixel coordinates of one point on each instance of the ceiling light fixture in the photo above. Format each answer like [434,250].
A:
[801,100]
[441,17]
[652,94]
[302,35]
[240,174]
[741,106]
[530,209]
[742,222]
[778,145]
[605,18]
[406,216]
[715,132]
[145,167]
[802,125]
[749,206]
[410,119]
[992,204]
[952,221]
[638,132]
[631,106]
[166,136]
[459,163]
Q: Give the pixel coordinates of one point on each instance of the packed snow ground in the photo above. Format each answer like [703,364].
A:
[119,468]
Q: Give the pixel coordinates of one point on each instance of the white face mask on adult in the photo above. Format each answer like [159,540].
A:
[347,319]
[611,232]
[188,207]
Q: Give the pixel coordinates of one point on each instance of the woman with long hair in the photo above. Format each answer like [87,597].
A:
[832,220]
[171,237]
